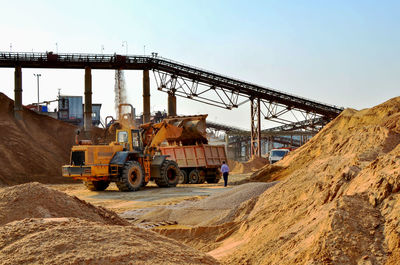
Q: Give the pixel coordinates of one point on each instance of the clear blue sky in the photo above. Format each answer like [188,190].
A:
[344,53]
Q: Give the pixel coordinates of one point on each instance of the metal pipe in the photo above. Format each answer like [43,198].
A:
[146,96]
[18,93]
[171,103]
[88,100]
[38,101]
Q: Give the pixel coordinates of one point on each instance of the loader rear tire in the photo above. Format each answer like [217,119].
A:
[132,177]
[97,185]
[169,174]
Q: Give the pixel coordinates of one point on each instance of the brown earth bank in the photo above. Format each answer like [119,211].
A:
[337,201]
[39,225]
[34,148]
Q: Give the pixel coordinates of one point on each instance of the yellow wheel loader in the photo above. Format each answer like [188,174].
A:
[126,161]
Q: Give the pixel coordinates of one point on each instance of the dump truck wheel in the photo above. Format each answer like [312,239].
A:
[169,174]
[214,177]
[97,185]
[183,178]
[213,180]
[194,176]
[202,176]
[132,177]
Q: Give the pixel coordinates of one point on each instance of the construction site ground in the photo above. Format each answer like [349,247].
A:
[335,200]
[149,196]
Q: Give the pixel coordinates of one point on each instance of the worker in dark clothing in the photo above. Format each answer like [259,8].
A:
[225,173]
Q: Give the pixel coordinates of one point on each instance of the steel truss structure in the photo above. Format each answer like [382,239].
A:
[197,84]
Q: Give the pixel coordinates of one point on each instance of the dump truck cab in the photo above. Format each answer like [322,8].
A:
[277,154]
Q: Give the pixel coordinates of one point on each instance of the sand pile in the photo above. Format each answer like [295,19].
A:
[34,200]
[252,165]
[338,201]
[39,225]
[75,241]
[355,138]
[214,210]
[33,149]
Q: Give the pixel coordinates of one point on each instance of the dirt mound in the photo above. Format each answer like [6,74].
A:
[34,200]
[214,210]
[75,241]
[338,201]
[353,137]
[33,149]
[252,165]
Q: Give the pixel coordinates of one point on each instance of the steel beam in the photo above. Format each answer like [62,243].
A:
[255,136]
[146,96]
[18,93]
[88,100]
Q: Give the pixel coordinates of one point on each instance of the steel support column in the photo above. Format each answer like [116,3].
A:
[18,93]
[87,125]
[171,103]
[255,127]
[146,96]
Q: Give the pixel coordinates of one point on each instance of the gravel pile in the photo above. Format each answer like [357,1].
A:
[214,210]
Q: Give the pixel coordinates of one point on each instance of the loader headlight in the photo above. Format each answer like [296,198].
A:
[64,171]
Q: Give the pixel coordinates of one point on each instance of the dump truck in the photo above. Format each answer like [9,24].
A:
[198,161]
[128,161]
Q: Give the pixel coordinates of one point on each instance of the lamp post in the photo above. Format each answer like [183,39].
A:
[37,77]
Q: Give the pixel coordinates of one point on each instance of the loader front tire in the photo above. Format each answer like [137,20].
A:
[97,185]
[169,174]
[132,177]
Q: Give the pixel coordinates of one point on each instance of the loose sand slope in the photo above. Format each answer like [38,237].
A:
[74,241]
[39,225]
[253,164]
[338,201]
[34,200]
[33,149]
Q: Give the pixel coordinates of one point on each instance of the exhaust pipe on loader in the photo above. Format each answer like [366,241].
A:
[81,142]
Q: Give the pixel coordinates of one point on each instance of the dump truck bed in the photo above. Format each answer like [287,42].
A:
[208,156]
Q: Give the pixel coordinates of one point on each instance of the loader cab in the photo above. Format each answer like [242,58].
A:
[130,140]
[137,143]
